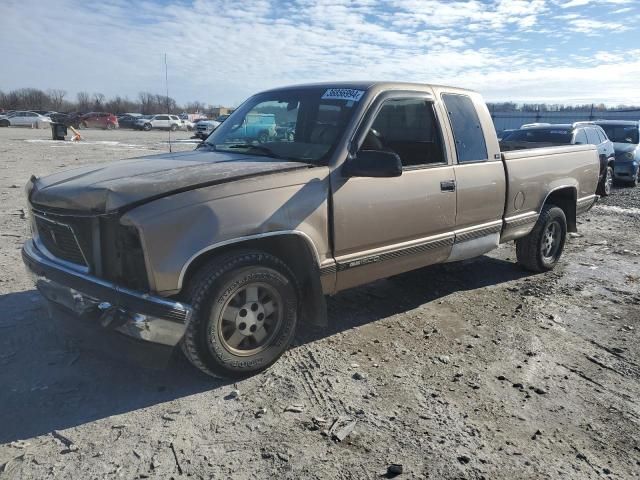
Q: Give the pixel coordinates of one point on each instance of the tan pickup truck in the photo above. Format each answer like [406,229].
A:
[225,249]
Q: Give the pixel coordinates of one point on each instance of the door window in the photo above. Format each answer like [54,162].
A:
[409,128]
[581,137]
[467,132]
[162,117]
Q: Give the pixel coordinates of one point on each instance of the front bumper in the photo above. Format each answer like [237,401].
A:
[138,315]
[625,170]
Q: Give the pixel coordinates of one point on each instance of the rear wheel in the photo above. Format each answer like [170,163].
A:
[541,249]
[245,309]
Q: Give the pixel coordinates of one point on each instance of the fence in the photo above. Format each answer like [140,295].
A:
[509,120]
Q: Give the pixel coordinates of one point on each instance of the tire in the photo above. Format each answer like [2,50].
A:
[219,339]
[634,182]
[4,123]
[173,127]
[110,126]
[146,127]
[263,137]
[541,249]
[604,189]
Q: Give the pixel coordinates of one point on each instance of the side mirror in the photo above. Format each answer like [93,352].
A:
[373,163]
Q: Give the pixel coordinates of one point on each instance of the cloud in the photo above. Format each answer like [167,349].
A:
[220,51]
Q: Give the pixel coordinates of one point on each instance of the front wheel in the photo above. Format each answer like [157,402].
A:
[4,123]
[245,310]
[110,126]
[146,127]
[541,249]
[604,189]
[173,127]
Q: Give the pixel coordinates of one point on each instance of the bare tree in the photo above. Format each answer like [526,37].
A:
[98,100]
[84,101]
[56,97]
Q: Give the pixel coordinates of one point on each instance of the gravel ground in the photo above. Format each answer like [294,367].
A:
[468,370]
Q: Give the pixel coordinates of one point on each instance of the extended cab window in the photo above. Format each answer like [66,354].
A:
[581,137]
[408,127]
[592,136]
[467,132]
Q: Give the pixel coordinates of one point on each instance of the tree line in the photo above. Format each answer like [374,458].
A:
[149,103]
[58,100]
[555,107]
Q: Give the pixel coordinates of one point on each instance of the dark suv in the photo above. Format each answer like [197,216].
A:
[625,135]
[548,135]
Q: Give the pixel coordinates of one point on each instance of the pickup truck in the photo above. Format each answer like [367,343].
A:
[224,250]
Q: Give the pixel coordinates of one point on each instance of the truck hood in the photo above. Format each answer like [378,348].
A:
[127,183]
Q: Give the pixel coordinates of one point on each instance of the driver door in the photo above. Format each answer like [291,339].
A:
[385,226]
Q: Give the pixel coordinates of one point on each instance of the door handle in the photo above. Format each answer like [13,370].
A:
[448,186]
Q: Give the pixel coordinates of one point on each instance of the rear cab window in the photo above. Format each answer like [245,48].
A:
[467,131]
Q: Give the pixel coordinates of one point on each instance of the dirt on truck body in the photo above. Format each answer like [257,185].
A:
[215,249]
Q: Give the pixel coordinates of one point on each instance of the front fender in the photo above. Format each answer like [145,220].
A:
[175,230]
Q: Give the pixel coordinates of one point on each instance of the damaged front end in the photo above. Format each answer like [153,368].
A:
[93,266]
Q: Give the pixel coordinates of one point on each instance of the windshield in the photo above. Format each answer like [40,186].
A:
[622,133]
[546,135]
[298,124]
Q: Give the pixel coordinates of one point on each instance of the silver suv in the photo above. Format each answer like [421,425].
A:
[162,121]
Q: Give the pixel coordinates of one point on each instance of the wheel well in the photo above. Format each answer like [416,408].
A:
[565,198]
[292,249]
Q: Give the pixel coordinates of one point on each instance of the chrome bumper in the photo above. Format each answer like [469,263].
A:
[142,316]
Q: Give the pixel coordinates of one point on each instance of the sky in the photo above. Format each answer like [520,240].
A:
[220,52]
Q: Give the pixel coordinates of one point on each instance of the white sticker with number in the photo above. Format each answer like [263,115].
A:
[343,94]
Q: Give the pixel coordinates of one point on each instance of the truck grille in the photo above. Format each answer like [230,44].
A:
[60,240]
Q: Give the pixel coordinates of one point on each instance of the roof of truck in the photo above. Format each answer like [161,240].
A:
[366,85]
[616,122]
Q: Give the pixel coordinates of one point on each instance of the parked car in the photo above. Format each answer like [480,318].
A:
[25,119]
[580,133]
[127,121]
[187,124]
[260,127]
[107,121]
[205,127]
[625,135]
[223,250]
[72,119]
[162,121]
[286,131]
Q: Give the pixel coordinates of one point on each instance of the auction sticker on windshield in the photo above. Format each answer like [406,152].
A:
[343,94]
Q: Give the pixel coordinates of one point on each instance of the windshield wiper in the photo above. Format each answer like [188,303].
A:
[267,151]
